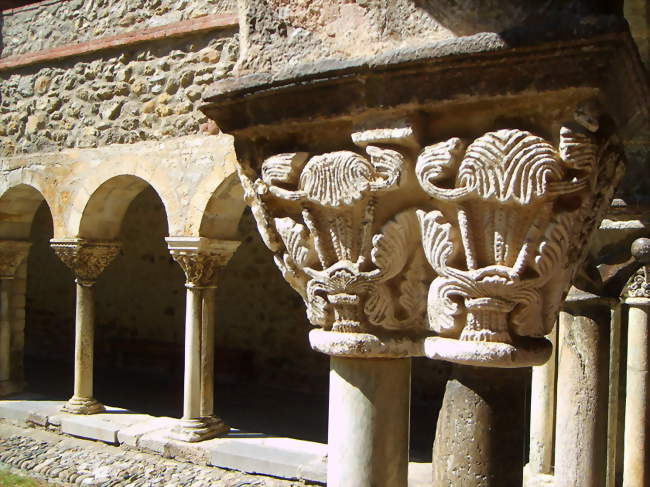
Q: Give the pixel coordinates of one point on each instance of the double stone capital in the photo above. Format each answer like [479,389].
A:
[201,258]
[459,250]
[87,259]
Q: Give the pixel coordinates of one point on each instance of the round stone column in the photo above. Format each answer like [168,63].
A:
[583,391]
[369,410]
[479,436]
[636,460]
[636,466]
[542,419]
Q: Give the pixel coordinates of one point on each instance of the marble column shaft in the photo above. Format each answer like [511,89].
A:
[369,411]
[636,468]
[6,313]
[12,254]
[542,419]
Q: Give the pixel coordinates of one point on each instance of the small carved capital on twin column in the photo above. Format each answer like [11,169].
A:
[12,254]
[87,259]
[637,289]
[201,258]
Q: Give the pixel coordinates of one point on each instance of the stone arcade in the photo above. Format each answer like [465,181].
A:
[436,180]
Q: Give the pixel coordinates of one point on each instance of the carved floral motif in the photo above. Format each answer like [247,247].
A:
[319,215]
[87,259]
[512,218]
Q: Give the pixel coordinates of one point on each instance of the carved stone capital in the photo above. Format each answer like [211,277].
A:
[511,217]
[638,285]
[201,258]
[345,234]
[503,220]
[637,288]
[12,254]
[86,259]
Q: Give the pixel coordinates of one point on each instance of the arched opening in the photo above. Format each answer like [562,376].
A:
[42,334]
[262,349]
[139,304]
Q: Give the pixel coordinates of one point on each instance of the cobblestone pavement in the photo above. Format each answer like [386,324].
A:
[70,461]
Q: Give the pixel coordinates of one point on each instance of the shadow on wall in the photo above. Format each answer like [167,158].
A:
[49,328]
[466,17]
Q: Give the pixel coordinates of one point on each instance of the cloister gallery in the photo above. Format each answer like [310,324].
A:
[445,200]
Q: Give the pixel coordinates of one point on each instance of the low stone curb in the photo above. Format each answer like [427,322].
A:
[68,461]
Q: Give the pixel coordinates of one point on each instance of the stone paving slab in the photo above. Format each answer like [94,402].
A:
[131,435]
[281,457]
[36,412]
[103,426]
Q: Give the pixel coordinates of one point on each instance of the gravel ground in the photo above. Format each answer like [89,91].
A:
[70,461]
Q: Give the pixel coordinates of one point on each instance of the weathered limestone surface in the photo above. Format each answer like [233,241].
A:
[478,439]
[277,33]
[55,24]
[194,176]
[583,392]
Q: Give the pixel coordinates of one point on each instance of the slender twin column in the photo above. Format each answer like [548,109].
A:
[12,254]
[200,259]
[542,420]
[87,260]
[636,466]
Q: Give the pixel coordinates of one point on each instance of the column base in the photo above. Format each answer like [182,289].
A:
[536,479]
[82,405]
[193,430]
[8,387]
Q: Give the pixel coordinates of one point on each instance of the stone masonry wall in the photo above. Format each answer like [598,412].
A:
[149,92]
[55,23]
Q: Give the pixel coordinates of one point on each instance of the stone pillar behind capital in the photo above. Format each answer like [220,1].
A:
[87,260]
[581,431]
[12,254]
[200,258]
